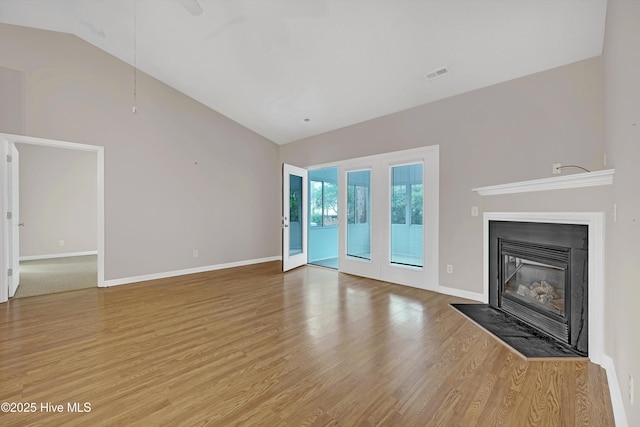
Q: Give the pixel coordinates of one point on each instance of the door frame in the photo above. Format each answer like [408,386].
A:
[5,140]
[13,225]
[426,277]
[309,170]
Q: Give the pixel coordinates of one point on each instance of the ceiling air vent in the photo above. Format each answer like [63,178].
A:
[432,75]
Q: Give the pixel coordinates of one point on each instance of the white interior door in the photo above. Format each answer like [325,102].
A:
[14,221]
[294,216]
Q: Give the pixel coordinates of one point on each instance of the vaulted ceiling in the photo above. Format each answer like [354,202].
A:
[290,69]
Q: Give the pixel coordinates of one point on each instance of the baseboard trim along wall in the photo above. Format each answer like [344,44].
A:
[614,391]
[50,256]
[475,296]
[167,274]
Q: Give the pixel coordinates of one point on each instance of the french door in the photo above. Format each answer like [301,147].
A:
[389,223]
[294,216]
[387,219]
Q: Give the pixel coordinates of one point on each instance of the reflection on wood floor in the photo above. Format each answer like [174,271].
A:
[253,346]
[328,263]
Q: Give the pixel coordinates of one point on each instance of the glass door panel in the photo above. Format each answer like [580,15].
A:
[359,214]
[406,215]
[295,214]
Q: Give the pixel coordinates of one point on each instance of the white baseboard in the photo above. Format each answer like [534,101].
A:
[476,296]
[614,390]
[50,256]
[164,275]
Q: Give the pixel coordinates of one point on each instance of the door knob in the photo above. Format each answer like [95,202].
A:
[21,224]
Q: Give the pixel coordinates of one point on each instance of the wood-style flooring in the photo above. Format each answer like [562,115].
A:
[253,346]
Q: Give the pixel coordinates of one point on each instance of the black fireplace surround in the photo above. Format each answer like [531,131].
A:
[538,273]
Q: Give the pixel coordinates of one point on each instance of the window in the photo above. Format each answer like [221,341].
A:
[357,203]
[406,194]
[323,201]
[295,214]
[398,204]
[416,204]
[358,214]
[406,215]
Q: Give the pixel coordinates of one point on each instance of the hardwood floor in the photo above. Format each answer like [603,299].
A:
[253,346]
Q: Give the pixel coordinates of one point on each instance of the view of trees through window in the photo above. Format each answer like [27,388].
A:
[406,196]
[323,203]
[406,203]
[400,202]
[357,204]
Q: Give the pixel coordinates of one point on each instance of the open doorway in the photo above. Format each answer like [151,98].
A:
[58,222]
[323,217]
[57,248]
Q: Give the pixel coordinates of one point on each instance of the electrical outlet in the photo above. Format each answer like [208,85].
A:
[474,211]
[615,213]
[556,168]
[449,268]
[195,253]
[631,389]
[60,242]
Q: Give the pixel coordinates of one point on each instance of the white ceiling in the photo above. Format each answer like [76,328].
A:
[271,64]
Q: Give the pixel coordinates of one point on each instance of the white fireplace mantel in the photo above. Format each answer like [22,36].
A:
[587,179]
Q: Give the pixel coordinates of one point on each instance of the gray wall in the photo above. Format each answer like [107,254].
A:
[622,136]
[178,176]
[57,200]
[11,101]
[509,132]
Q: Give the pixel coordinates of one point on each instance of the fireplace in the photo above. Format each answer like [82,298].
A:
[538,273]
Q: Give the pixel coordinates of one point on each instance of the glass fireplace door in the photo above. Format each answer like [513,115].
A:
[534,283]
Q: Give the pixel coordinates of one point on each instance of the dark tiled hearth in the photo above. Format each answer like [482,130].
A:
[524,339]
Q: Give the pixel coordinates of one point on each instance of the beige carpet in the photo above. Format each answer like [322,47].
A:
[49,276]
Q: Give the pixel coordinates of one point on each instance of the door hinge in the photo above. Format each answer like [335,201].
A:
[10,272]
[9,158]
[9,215]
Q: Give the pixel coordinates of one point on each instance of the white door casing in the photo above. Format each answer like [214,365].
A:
[4,228]
[13,176]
